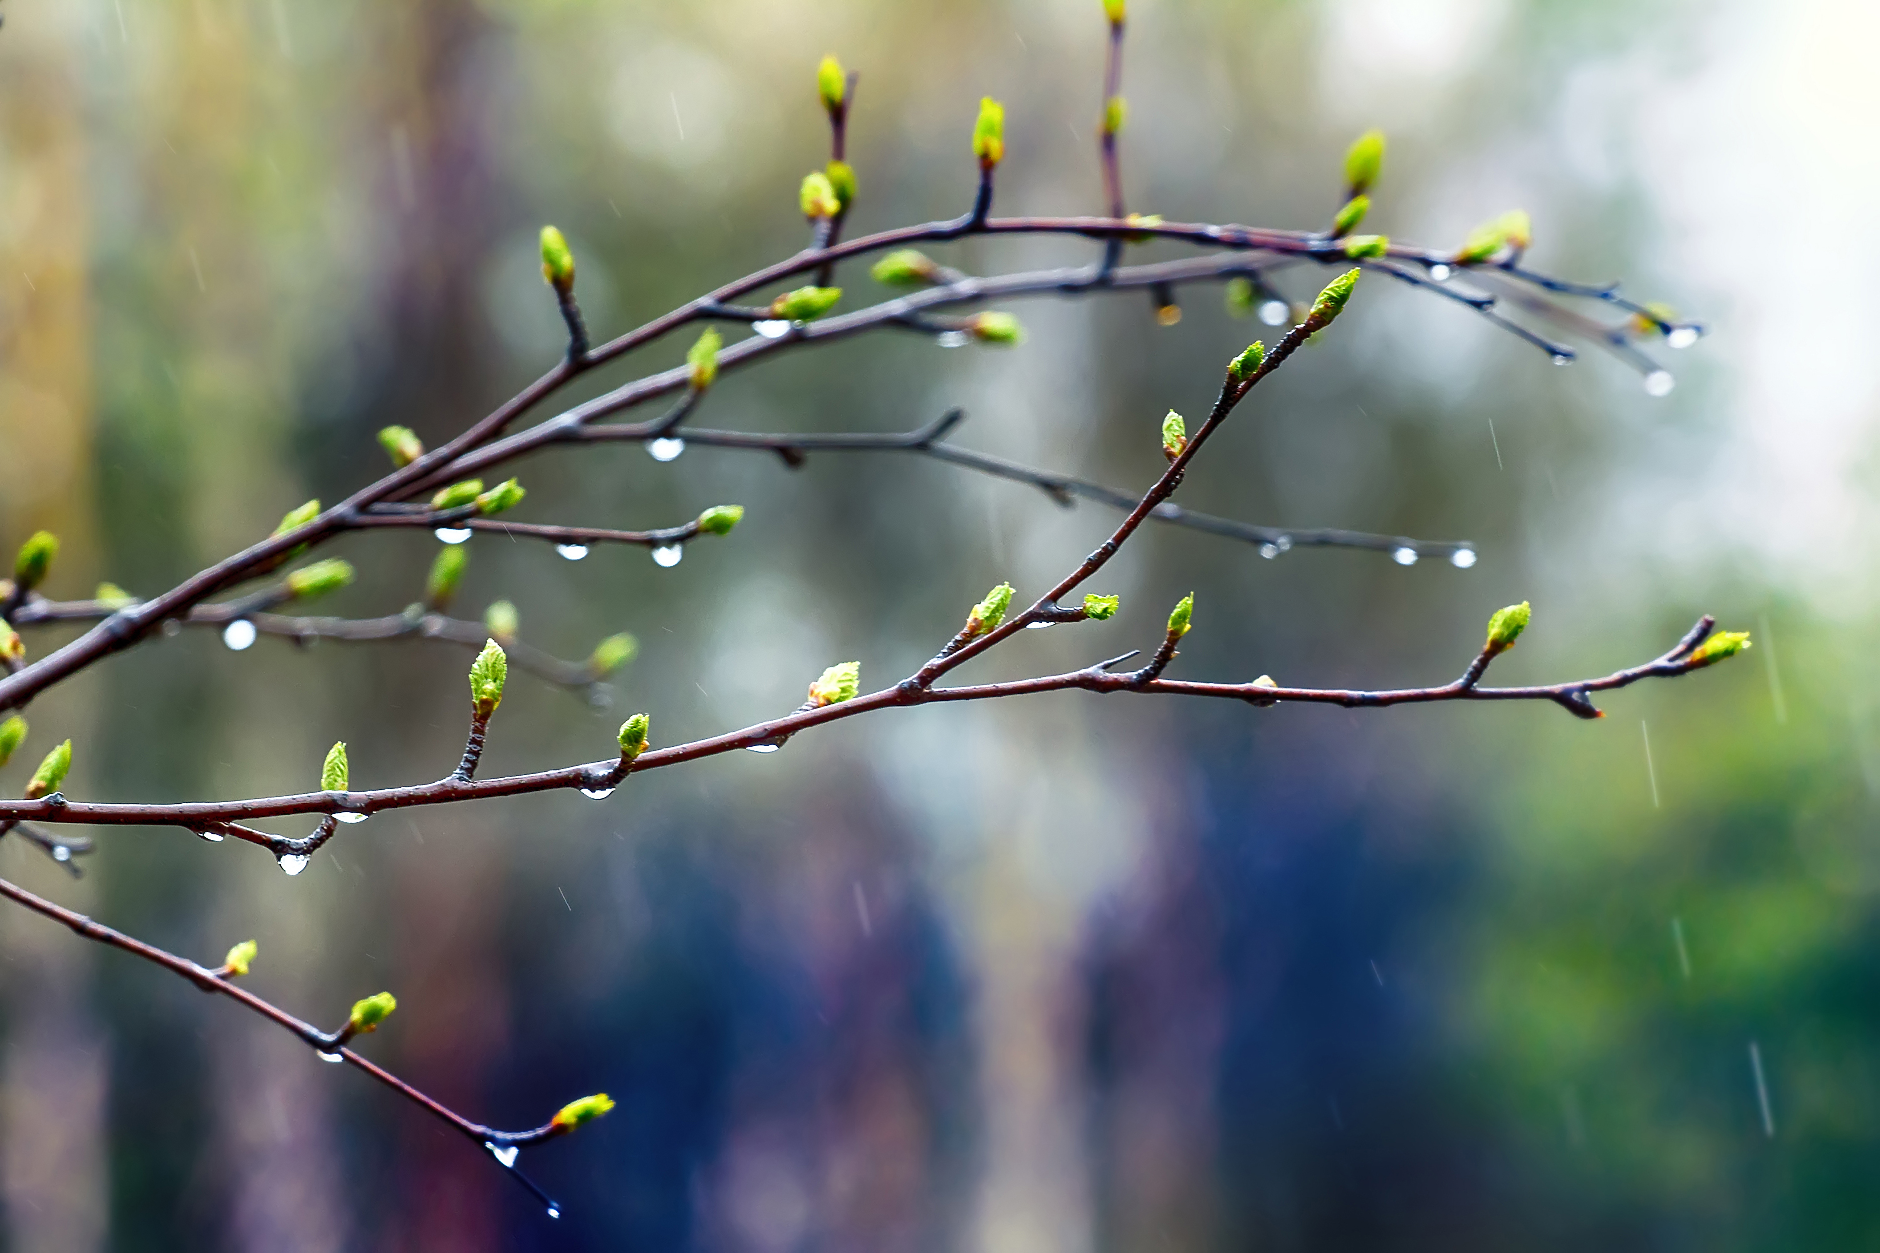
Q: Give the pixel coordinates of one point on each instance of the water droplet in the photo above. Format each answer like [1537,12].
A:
[349,818]
[1275,312]
[504,1153]
[214,837]
[1440,273]
[667,555]
[1270,551]
[172,628]
[554,1211]
[665,449]
[1563,358]
[1404,556]
[238,634]
[1682,336]
[952,339]
[294,863]
[573,552]
[774,328]
[325,1056]
[764,748]
[1038,626]
[61,853]
[1462,558]
[1659,383]
[597,793]
[452,534]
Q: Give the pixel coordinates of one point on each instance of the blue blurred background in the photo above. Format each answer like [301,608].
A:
[1072,973]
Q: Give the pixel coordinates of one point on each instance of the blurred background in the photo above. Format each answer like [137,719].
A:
[1062,974]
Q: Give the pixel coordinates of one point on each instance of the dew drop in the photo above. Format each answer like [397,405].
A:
[1270,551]
[1682,336]
[172,628]
[1404,556]
[1659,383]
[1563,358]
[294,863]
[554,1211]
[764,748]
[667,556]
[667,449]
[325,1056]
[572,552]
[350,819]
[239,634]
[504,1153]
[597,793]
[952,339]
[1038,626]
[772,328]
[214,837]
[1462,558]
[1440,273]
[1275,312]
[452,534]
[61,853]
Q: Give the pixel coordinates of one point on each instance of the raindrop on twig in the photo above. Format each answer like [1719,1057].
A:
[572,552]
[1404,556]
[665,449]
[294,863]
[773,328]
[666,556]
[1275,312]
[452,534]
[1659,383]
[1462,558]
[239,635]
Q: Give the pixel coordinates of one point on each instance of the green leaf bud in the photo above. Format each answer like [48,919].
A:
[1331,301]
[111,596]
[369,1013]
[579,1113]
[817,197]
[1505,627]
[12,735]
[996,328]
[1717,647]
[446,573]
[12,647]
[1248,363]
[557,261]
[990,612]
[1518,227]
[612,653]
[989,133]
[241,957]
[1239,295]
[320,578]
[35,559]
[335,773]
[837,684]
[1113,9]
[719,519]
[1351,215]
[502,621]
[1265,680]
[842,181]
[401,444]
[831,83]
[51,772]
[505,495]
[1178,620]
[294,519]
[1511,229]
[1174,435]
[1360,246]
[633,736]
[1115,114]
[488,673]
[906,267]
[457,495]
[805,304]
[1363,160]
[1100,608]
[702,356]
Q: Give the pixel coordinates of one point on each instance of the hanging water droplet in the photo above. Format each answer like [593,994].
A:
[325,1056]
[772,328]
[1404,556]
[1275,312]
[1462,558]
[1563,358]
[1682,336]
[764,748]
[554,1211]
[573,552]
[350,818]
[452,534]
[1270,550]
[597,793]
[504,1153]
[952,339]
[172,628]
[238,634]
[294,863]
[667,555]
[667,449]
[1659,383]
[214,837]
[1038,626]
[1440,273]
[61,853]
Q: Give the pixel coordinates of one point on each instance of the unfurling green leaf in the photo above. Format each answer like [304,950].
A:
[702,356]
[1174,435]
[906,267]
[401,444]
[51,772]
[502,621]
[335,773]
[989,133]
[1179,619]
[505,495]
[446,573]
[612,653]
[1512,229]
[831,83]
[1248,363]
[241,957]
[990,612]
[1331,301]
[12,735]
[633,736]
[457,495]
[842,181]
[817,197]
[1363,161]
[488,673]
[719,519]
[1351,216]
[35,559]
[1359,247]
[369,1013]
[805,304]
[837,684]
[996,328]
[1100,608]
[294,519]
[579,1113]
[1717,647]
[1506,626]
[557,261]
[319,578]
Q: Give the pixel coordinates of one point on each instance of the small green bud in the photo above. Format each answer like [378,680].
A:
[1331,301]
[1115,114]
[1359,246]
[907,267]
[35,559]
[488,673]
[12,735]
[578,1113]
[989,133]
[996,328]
[1143,237]
[831,83]
[557,261]
[1239,297]
[1717,647]
[990,612]
[1265,680]
[502,621]
[1248,363]
[1178,620]
[1511,229]
[505,495]
[446,573]
[294,519]
[633,735]
[612,653]
[241,957]
[805,304]
[111,596]
[1100,608]
[12,647]
[401,444]
[702,356]
[842,180]
[1113,9]
[51,772]
[457,495]
[1363,160]
[1506,626]
[369,1013]
[719,519]
[1350,216]
[1658,319]
[1174,435]
[1518,227]
[335,773]
[817,197]
[320,578]
[837,684]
